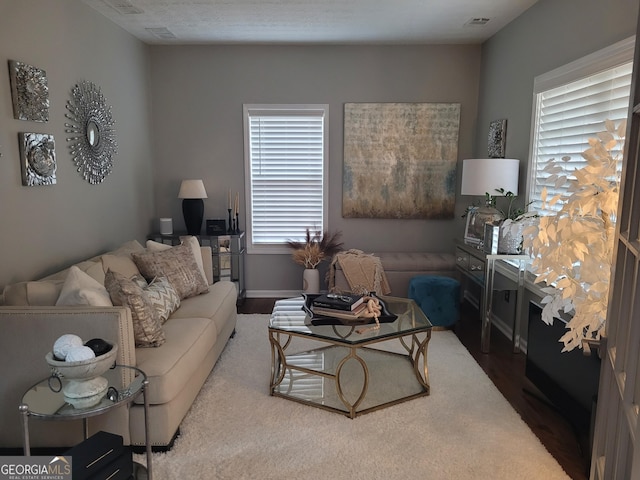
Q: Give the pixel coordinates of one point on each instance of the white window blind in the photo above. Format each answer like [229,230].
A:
[571,105]
[285,149]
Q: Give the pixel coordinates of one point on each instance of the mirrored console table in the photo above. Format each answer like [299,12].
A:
[480,269]
[512,268]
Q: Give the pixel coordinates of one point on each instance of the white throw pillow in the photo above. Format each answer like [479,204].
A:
[185,240]
[80,289]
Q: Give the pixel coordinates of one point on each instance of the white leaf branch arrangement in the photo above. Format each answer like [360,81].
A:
[573,250]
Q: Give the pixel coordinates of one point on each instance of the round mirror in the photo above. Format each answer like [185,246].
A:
[93,137]
[93,133]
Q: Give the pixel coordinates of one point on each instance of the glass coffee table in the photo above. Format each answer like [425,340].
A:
[355,369]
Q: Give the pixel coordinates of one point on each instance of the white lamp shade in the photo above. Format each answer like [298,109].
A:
[192,189]
[485,175]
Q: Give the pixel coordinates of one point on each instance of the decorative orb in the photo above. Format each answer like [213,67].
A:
[78,354]
[64,343]
[98,345]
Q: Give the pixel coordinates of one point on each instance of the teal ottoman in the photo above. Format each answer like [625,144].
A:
[438,297]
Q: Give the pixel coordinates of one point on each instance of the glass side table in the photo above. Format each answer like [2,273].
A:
[45,401]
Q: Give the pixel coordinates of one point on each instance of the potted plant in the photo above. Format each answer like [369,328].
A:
[309,253]
[512,227]
[573,250]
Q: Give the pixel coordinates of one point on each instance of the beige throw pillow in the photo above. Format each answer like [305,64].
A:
[178,265]
[80,289]
[184,240]
[147,329]
[163,296]
[122,264]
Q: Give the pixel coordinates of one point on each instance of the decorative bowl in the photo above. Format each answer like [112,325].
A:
[83,369]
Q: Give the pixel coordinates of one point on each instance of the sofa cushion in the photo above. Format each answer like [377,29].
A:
[169,367]
[34,294]
[178,264]
[128,248]
[209,304]
[122,264]
[147,329]
[80,289]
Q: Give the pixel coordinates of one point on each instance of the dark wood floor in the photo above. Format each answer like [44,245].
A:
[506,370]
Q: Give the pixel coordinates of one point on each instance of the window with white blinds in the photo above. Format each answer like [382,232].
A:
[285,167]
[571,105]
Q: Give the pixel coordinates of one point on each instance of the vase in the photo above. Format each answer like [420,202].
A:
[311,280]
[510,237]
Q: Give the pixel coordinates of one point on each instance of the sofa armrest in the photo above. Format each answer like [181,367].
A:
[207,263]
[28,334]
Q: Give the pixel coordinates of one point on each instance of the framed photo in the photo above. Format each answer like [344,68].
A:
[217,226]
[474,230]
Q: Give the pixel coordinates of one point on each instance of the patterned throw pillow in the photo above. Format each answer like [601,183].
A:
[163,296]
[147,329]
[178,265]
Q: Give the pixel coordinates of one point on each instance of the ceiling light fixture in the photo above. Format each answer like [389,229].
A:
[162,33]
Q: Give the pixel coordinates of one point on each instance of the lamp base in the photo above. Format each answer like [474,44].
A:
[193,211]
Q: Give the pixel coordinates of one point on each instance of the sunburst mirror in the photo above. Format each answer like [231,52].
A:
[93,144]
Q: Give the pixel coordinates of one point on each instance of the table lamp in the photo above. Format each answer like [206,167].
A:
[192,192]
[484,176]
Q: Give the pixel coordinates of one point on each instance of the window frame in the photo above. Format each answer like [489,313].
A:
[607,58]
[282,109]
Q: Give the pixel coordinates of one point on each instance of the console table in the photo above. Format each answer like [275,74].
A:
[480,268]
[227,251]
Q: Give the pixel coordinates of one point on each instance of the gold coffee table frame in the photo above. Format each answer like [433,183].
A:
[317,377]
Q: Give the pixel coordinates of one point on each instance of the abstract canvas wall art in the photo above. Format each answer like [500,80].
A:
[400,160]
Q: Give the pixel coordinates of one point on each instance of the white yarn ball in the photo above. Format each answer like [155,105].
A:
[64,343]
[77,354]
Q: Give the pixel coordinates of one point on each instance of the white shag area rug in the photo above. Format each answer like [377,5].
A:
[464,430]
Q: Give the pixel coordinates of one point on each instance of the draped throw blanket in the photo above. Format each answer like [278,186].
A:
[363,272]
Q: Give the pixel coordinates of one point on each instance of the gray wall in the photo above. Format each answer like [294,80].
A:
[198,93]
[550,34]
[196,130]
[45,228]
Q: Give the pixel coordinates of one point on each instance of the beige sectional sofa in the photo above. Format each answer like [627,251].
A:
[193,337]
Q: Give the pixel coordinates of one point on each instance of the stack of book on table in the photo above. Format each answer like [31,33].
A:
[344,306]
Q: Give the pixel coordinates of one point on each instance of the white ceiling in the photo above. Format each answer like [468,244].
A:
[311,21]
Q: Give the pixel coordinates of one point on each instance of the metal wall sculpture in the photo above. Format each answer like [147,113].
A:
[29,92]
[400,160]
[93,144]
[37,159]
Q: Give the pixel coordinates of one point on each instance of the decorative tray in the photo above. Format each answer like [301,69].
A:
[385,317]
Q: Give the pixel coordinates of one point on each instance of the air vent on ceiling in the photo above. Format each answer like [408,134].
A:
[124,7]
[162,33]
[478,21]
